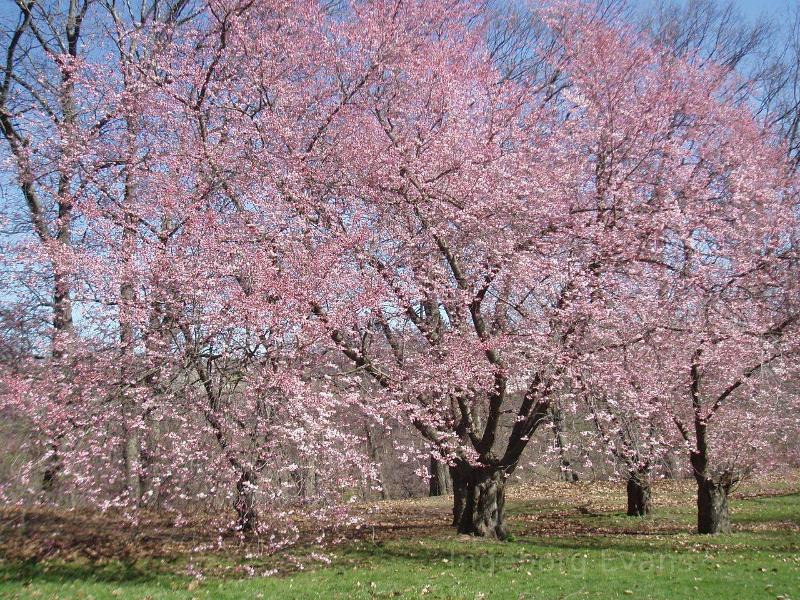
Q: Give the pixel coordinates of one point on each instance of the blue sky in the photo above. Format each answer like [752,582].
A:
[750,8]
[753,8]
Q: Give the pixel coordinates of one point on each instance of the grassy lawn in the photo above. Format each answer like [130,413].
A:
[556,553]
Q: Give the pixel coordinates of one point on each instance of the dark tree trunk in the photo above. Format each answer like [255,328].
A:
[246,510]
[639,504]
[439,478]
[51,470]
[459,494]
[712,506]
[712,492]
[483,511]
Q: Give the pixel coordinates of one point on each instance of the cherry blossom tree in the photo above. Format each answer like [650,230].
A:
[188,277]
[520,233]
[632,432]
[710,314]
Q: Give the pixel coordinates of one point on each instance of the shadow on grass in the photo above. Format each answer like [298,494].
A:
[62,572]
[755,515]
[674,547]
[456,550]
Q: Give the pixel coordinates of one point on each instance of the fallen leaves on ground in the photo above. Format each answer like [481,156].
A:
[544,508]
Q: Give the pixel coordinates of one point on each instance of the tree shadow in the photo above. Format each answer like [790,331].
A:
[62,572]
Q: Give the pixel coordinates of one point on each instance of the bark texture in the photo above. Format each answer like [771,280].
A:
[439,478]
[483,504]
[639,496]
[51,470]
[459,494]
[712,505]
[246,510]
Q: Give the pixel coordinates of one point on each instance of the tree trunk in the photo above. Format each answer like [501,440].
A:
[459,494]
[712,492]
[638,488]
[712,506]
[52,469]
[439,478]
[62,327]
[147,459]
[132,458]
[246,510]
[566,473]
[131,434]
[670,467]
[131,442]
[483,511]
[372,449]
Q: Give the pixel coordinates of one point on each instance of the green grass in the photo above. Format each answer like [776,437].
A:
[762,560]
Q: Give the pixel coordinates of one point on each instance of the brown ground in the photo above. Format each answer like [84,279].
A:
[535,509]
